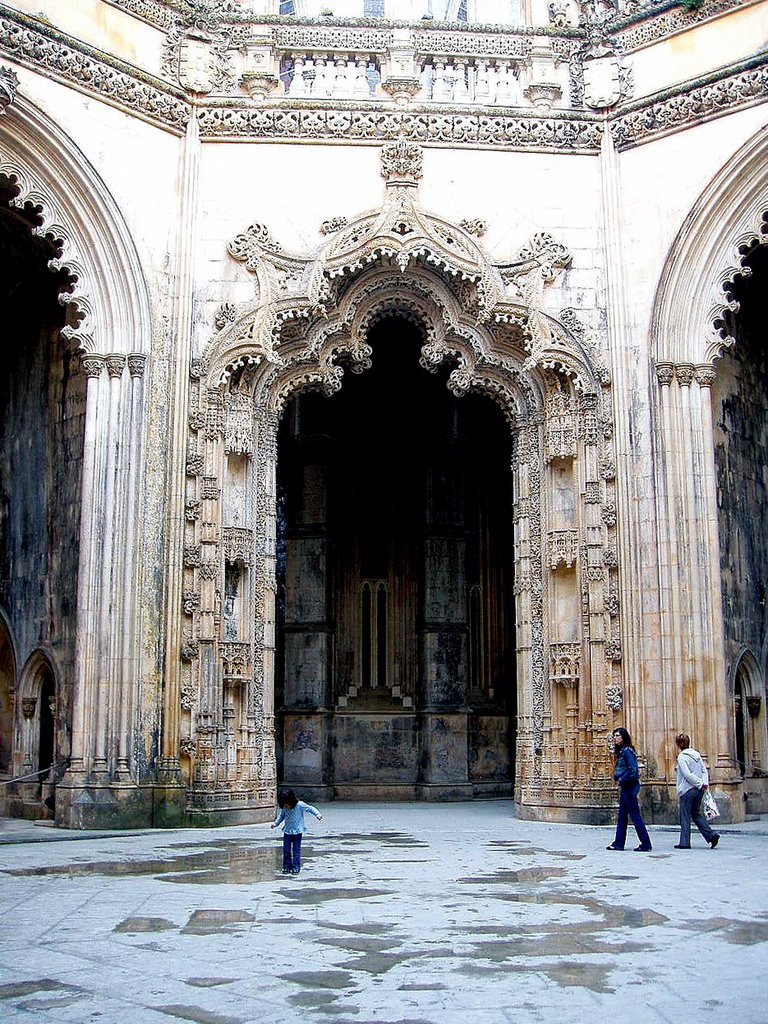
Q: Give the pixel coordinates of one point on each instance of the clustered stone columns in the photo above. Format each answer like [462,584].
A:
[106,653]
[692,630]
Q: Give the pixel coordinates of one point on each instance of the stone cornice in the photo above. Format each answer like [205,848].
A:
[692,103]
[153,12]
[62,57]
[651,24]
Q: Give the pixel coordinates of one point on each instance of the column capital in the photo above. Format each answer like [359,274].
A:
[665,373]
[684,374]
[706,375]
[93,364]
[115,365]
[137,363]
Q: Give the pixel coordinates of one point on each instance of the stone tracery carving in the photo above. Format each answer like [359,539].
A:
[480,319]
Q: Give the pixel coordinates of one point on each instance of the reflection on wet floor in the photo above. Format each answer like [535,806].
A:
[208,922]
[134,925]
[233,864]
[209,982]
[197,1014]
[19,989]
[524,875]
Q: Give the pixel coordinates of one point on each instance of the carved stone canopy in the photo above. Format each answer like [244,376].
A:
[295,289]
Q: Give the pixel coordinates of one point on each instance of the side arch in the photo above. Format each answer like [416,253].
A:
[76,207]
[688,325]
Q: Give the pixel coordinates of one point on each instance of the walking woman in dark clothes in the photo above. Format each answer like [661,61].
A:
[627,775]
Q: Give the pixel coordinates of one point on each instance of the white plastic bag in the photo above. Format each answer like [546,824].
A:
[709,806]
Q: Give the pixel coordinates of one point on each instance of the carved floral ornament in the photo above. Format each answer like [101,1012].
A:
[295,293]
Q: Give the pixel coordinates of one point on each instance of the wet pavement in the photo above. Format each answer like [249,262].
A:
[402,914]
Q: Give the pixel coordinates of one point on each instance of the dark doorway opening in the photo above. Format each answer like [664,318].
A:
[396,648]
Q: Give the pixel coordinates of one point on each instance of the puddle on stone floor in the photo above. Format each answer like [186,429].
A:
[20,989]
[52,1003]
[207,922]
[335,980]
[616,878]
[208,982]
[573,974]
[522,876]
[360,944]
[233,865]
[520,849]
[748,933]
[422,986]
[196,1014]
[549,944]
[314,896]
[134,925]
[378,963]
[362,928]
[312,999]
[607,915]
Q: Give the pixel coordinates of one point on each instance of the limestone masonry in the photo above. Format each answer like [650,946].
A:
[385,403]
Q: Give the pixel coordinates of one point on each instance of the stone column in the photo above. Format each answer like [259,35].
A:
[88,577]
[719,726]
[129,656]
[169,764]
[672,628]
[109,570]
[695,655]
[635,498]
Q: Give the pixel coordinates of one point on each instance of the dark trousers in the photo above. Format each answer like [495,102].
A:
[690,810]
[292,852]
[630,808]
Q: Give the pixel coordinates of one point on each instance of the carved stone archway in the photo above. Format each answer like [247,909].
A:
[691,328]
[307,325]
[64,199]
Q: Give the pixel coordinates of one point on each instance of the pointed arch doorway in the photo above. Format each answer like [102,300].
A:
[396,646]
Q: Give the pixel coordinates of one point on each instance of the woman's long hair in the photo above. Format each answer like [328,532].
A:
[626,740]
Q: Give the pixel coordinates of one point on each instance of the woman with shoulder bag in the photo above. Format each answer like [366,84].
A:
[692,784]
[627,775]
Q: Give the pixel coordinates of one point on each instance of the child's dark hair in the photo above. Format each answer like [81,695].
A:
[287,798]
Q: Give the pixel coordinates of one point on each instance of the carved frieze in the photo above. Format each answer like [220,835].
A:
[717,93]
[43,47]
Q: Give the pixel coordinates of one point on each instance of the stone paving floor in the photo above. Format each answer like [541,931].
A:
[403,914]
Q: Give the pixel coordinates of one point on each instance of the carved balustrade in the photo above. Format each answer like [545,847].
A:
[334,76]
[487,82]
[403,65]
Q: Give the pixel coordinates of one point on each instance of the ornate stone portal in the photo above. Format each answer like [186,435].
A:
[309,321]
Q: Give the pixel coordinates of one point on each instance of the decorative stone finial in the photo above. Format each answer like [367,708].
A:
[401,162]
[9,85]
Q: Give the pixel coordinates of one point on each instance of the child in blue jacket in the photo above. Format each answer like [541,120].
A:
[292,816]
